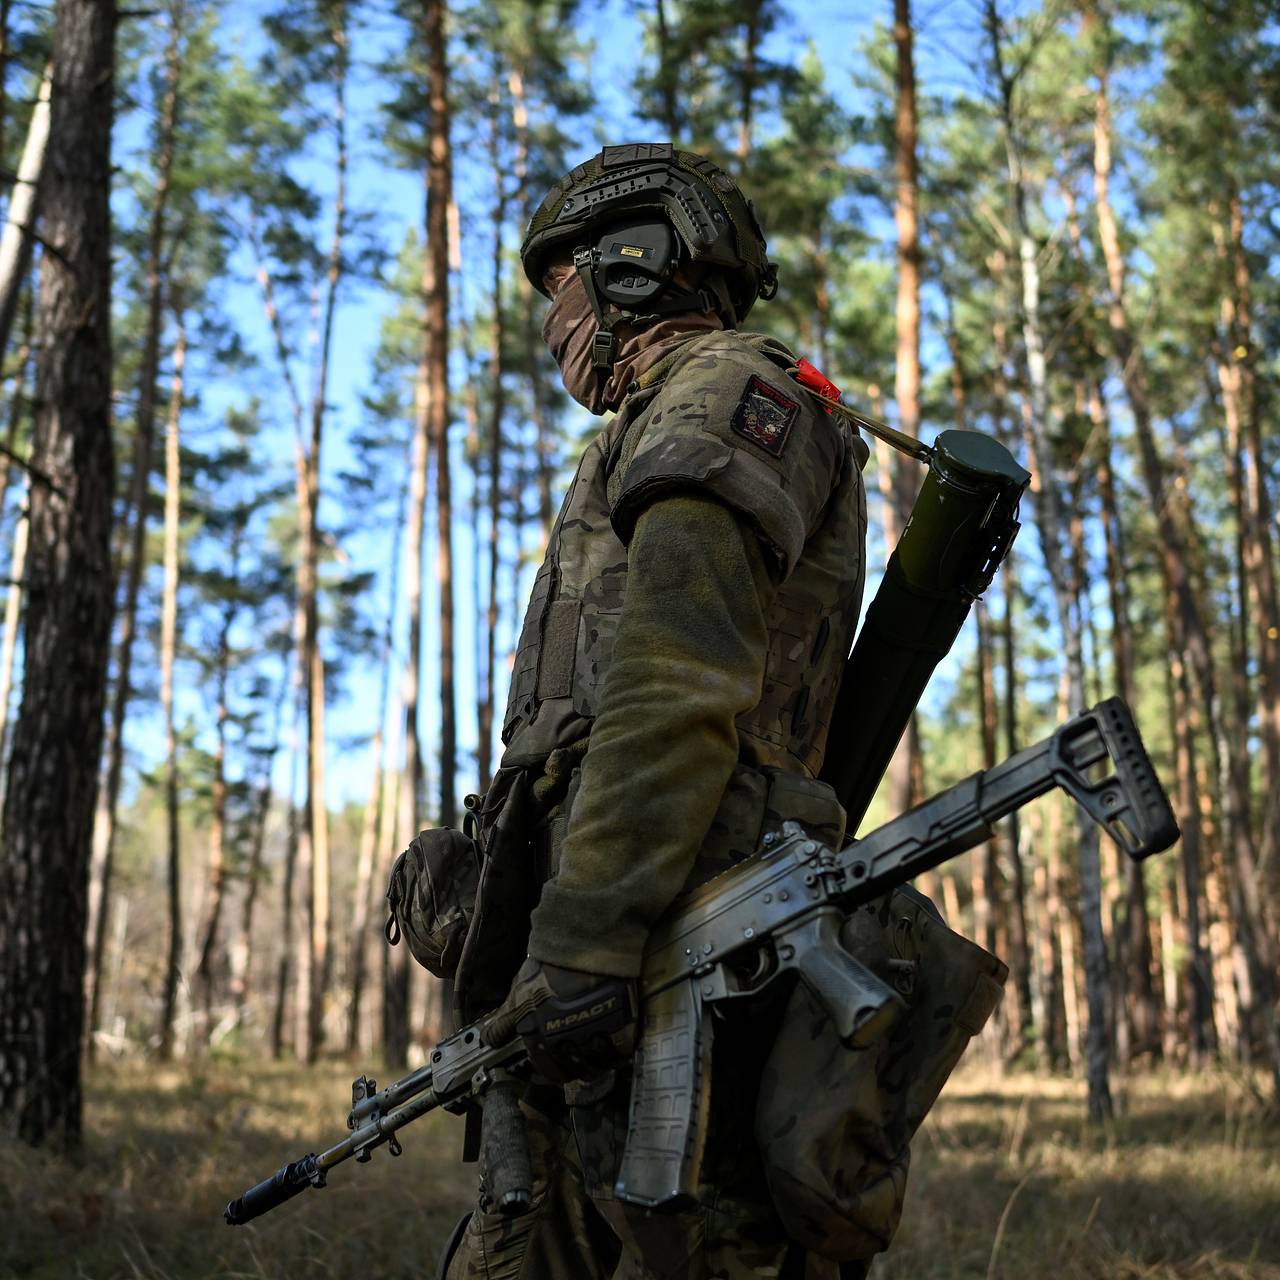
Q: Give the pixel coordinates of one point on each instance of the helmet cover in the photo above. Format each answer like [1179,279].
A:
[714,223]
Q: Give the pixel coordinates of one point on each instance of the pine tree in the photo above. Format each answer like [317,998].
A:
[52,776]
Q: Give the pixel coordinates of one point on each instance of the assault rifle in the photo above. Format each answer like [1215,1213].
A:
[777,912]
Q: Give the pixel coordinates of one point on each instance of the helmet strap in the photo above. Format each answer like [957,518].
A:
[602,345]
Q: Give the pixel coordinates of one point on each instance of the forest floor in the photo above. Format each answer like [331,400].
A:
[1007,1182]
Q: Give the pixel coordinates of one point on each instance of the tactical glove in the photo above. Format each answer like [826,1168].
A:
[575,1025]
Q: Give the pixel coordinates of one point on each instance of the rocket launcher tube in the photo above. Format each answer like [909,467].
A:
[961,527]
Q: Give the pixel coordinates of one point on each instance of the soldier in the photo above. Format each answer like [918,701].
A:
[671,693]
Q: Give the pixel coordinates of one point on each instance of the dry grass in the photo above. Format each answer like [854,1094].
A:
[1008,1182]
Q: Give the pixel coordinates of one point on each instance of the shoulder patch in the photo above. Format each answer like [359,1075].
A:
[765,416]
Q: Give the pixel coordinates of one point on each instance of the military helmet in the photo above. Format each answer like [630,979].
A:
[630,215]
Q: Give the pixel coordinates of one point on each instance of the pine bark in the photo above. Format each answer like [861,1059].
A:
[53,768]
[895,481]
[435,291]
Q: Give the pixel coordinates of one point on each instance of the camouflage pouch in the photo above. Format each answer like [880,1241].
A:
[834,1124]
[431,897]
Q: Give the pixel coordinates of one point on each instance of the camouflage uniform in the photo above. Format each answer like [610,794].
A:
[699,595]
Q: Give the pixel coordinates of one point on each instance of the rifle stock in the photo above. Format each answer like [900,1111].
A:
[775,913]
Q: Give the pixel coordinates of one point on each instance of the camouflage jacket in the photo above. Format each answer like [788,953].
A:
[743,501]
[719,416]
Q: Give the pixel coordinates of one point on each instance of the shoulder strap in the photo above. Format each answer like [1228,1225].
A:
[818,385]
[904,443]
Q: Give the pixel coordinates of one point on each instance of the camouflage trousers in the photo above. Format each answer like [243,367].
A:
[578,1230]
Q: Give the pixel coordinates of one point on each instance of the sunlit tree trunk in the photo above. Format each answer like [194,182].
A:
[534,352]
[12,614]
[1197,981]
[168,651]
[20,225]
[288,895]
[313,831]
[435,291]
[895,482]
[395,1000]
[1238,379]
[216,875]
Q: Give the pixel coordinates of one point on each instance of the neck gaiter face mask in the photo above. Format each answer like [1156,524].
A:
[570,326]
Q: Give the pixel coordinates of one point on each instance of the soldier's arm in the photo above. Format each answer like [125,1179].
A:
[689,658]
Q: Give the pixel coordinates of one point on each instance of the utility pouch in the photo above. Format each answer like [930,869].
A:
[508,890]
[834,1123]
[431,897]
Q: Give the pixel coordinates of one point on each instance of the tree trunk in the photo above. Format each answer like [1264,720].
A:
[360,900]
[985,863]
[19,231]
[486,708]
[395,1001]
[535,352]
[1140,1008]
[284,966]
[12,613]
[168,650]
[104,827]
[314,828]
[435,299]
[216,877]
[895,481]
[49,800]
[1238,377]
[1198,981]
